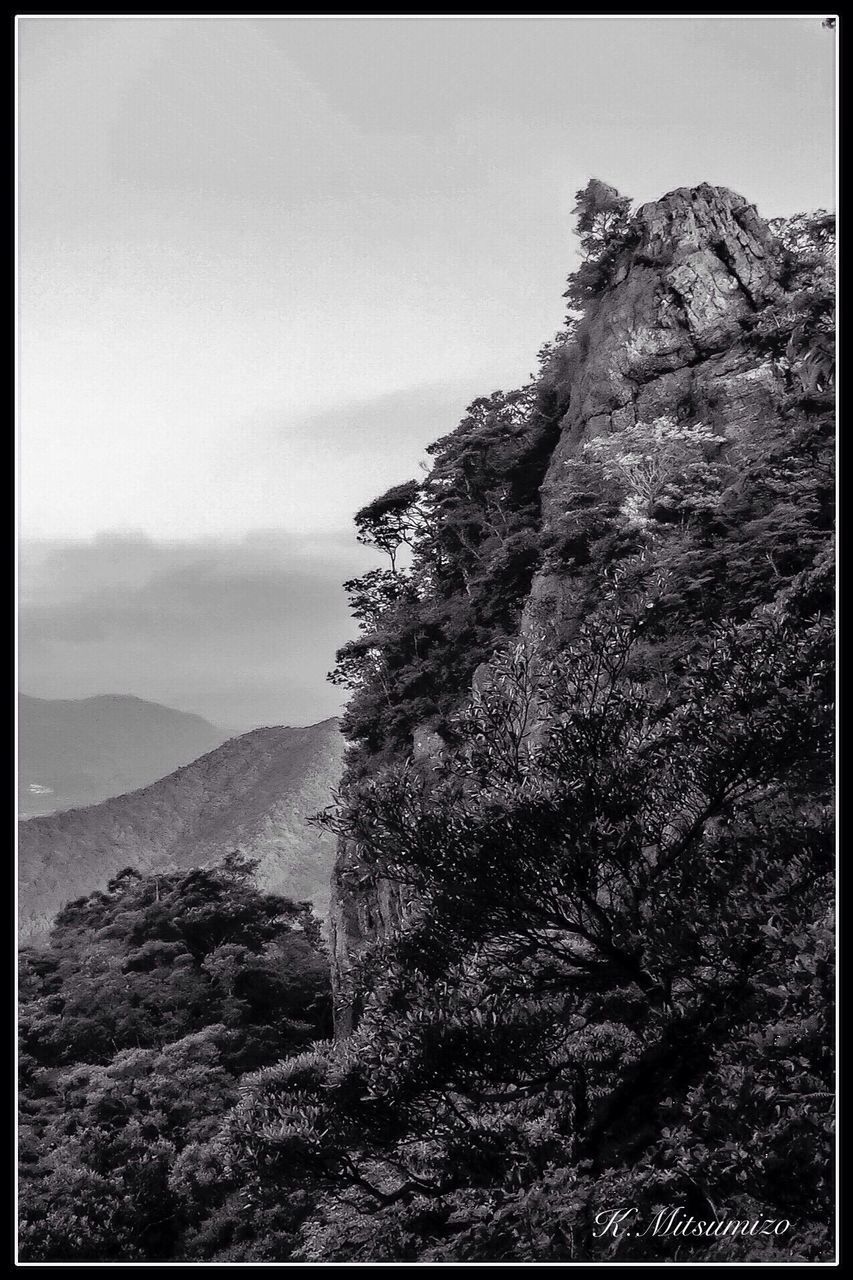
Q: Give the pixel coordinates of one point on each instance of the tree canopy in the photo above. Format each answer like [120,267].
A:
[136,1022]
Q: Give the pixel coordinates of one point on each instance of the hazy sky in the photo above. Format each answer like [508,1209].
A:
[263,262]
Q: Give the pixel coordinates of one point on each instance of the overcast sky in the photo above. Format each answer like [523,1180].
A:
[262,263]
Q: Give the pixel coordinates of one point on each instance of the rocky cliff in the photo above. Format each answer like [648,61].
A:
[669,335]
[669,338]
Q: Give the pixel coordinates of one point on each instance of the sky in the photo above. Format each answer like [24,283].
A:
[264,262]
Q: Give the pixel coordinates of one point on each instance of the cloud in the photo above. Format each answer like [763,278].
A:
[241,631]
[321,467]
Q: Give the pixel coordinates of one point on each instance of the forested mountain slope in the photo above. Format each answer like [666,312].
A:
[254,794]
[75,752]
[152,998]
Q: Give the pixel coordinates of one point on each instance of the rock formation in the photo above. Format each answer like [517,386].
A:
[668,336]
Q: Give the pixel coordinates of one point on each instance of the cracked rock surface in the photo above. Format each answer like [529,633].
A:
[667,338]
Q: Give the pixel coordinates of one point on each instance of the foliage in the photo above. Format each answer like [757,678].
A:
[471,526]
[603,224]
[664,467]
[390,521]
[799,328]
[612,983]
[590,1001]
[472,529]
[136,1022]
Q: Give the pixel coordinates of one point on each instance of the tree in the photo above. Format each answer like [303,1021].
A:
[598,913]
[601,214]
[390,521]
[471,527]
[798,329]
[665,468]
[136,1021]
[603,225]
[120,1129]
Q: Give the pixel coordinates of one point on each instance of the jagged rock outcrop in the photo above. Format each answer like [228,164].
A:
[668,336]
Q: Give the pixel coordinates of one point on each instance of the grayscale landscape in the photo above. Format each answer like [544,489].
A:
[426,640]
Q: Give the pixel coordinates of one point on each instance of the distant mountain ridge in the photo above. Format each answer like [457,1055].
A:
[76,752]
[253,793]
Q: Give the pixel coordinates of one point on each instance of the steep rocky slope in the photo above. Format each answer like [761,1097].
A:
[253,793]
[669,336]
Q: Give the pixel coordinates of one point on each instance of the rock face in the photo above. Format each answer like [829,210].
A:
[667,337]
[363,906]
[664,336]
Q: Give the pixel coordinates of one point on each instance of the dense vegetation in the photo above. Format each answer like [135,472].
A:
[471,530]
[136,1023]
[612,985]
